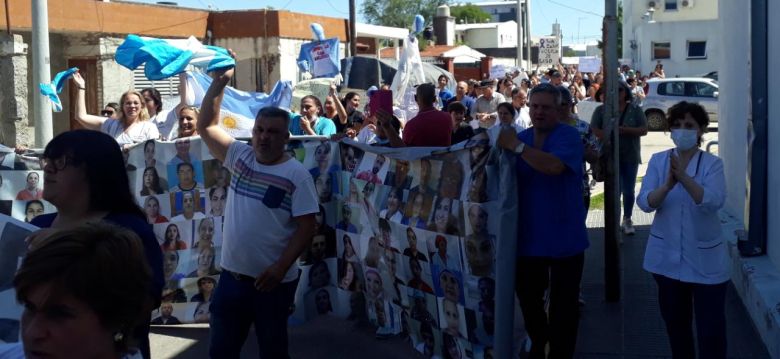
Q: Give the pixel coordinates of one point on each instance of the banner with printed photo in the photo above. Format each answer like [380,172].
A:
[405,238]
[12,249]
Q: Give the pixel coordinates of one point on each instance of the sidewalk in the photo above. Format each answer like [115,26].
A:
[632,328]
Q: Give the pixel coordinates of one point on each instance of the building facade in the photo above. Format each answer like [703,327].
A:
[681,34]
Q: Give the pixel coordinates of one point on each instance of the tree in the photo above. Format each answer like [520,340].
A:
[469,13]
[399,13]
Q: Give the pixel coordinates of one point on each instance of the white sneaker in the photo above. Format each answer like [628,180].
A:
[628,227]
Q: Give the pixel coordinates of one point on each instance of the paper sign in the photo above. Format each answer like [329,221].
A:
[590,64]
[549,51]
[498,71]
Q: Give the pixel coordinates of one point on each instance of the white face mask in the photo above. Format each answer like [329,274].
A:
[685,139]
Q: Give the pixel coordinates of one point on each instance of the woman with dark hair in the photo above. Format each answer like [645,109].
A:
[152,101]
[506,117]
[633,125]
[152,210]
[309,121]
[131,125]
[205,289]
[32,209]
[442,220]
[686,188]
[172,240]
[86,181]
[347,112]
[348,275]
[84,291]
[150,182]
[349,254]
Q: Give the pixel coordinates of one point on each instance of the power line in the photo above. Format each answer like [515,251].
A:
[576,9]
[334,8]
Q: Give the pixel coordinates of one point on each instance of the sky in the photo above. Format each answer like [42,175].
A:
[580,20]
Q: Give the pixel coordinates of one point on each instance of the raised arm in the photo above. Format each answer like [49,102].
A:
[217,140]
[91,122]
[539,160]
[340,110]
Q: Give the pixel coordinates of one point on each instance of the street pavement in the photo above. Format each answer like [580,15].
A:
[630,328]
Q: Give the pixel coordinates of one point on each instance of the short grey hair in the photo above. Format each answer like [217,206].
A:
[547,88]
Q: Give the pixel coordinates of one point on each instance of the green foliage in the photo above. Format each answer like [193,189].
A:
[399,13]
[469,13]
[569,52]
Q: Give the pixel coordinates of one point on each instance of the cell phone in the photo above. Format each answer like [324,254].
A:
[380,100]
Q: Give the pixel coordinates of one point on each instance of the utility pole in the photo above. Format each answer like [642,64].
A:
[520,30]
[611,184]
[41,72]
[7,18]
[352,30]
[528,40]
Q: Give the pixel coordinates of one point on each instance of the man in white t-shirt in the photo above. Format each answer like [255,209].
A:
[520,103]
[269,221]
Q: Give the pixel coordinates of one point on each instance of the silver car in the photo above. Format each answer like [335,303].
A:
[664,93]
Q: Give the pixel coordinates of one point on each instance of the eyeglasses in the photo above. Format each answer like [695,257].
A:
[57,164]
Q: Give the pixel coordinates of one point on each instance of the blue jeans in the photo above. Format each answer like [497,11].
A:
[628,171]
[678,302]
[236,305]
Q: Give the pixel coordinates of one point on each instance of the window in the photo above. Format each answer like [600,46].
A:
[662,50]
[697,49]
[699,89]
[670,5]
[671,89]
[168,87]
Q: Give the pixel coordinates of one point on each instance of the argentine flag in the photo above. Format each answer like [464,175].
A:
[166,58]
[239,108]
[53,89]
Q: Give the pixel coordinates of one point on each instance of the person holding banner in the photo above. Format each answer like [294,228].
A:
[551,231]
[309,122]
[86,181]
[132,124]
[258,281]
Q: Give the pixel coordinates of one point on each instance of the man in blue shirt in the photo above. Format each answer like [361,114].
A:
[461,95]
[551,231]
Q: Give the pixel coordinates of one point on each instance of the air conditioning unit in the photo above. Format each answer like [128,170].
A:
[687,3]
[652,4]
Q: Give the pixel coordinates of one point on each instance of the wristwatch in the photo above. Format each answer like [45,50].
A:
[519,149]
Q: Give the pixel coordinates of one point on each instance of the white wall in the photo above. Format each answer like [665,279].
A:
[702,10]
[677,34]
[734,103]
[773,198]
[481,38]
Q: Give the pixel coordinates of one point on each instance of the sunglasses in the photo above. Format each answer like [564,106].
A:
[107,113]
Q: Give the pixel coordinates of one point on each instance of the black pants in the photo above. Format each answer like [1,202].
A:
[678,302]
[562,276]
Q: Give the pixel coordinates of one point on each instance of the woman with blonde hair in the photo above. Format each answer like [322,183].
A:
[188,122]
[131,125]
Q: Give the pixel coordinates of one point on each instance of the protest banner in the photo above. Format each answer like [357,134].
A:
[405,237]
[549,51]
[585,109]
[498,71]
[590,64]
[12,248]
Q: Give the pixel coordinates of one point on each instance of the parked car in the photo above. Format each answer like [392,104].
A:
[663,93]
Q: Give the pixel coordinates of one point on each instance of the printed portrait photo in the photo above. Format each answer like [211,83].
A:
[451,179]
[448,284]
[452,318]
[399,174]
[215,175]
[350,158]
[154,208]
[185,176]
[392,201]
[479,245]
[425,176]
[174,236]
[444,252]
[417,210]
[25,211]
[373,168]
[319,160]
[186,205]
[445,216]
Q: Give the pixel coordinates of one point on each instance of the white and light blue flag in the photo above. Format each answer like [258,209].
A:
[55,87]
[165,58]
[239,108]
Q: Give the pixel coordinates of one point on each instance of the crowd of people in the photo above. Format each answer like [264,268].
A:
[533,115]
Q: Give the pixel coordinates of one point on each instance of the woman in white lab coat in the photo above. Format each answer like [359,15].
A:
[686,187]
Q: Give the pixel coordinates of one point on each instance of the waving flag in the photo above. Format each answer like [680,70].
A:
[166,58]
[53,89]
[239,108]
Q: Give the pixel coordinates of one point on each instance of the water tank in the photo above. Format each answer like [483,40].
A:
[443,11]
